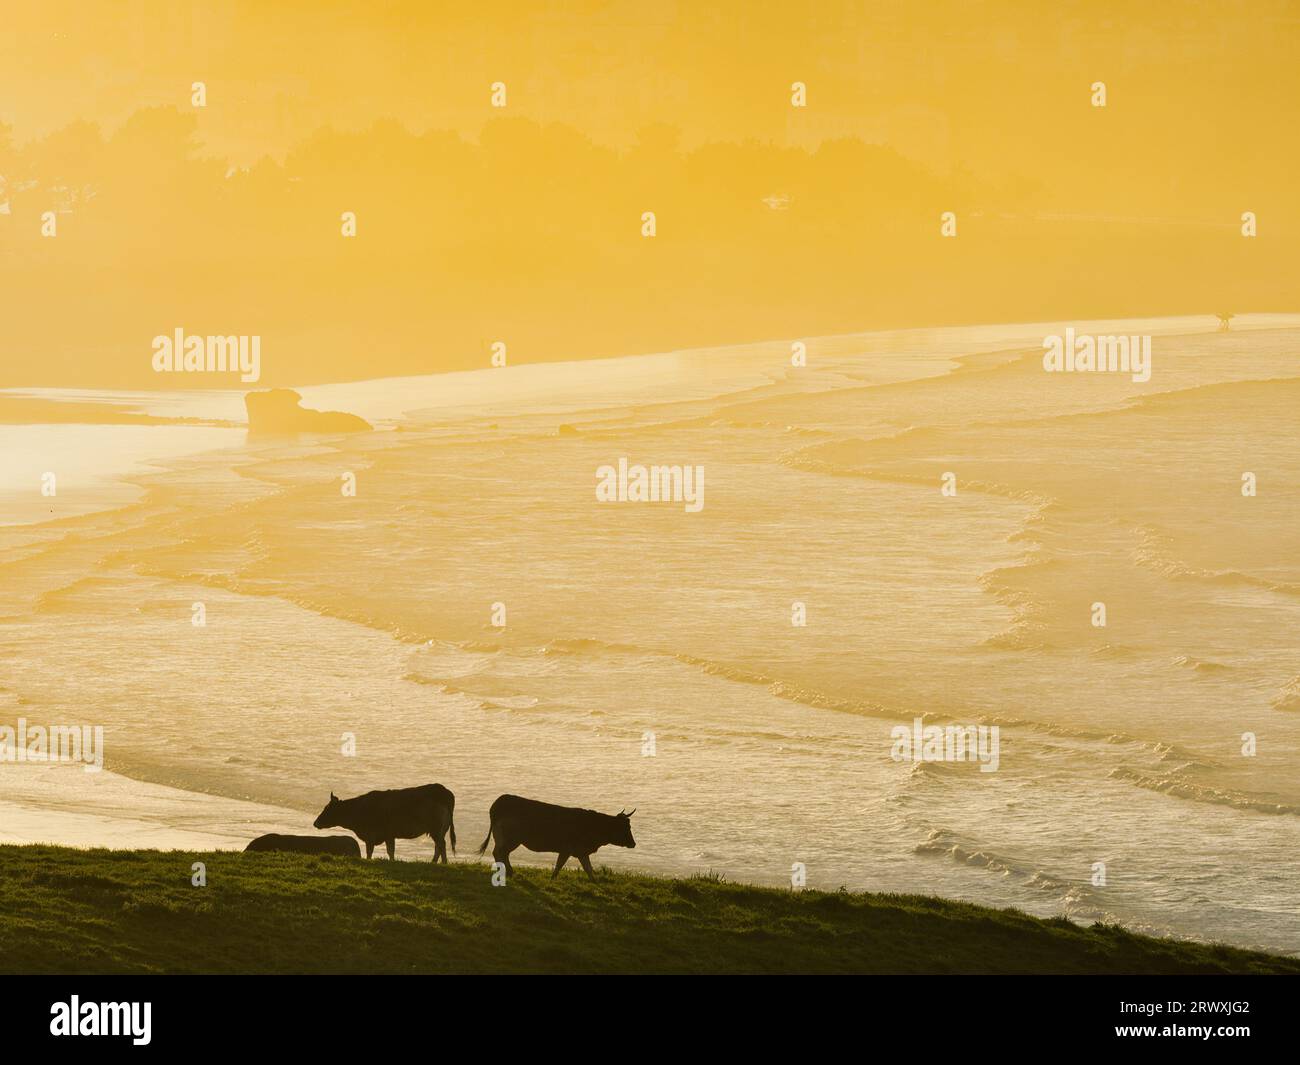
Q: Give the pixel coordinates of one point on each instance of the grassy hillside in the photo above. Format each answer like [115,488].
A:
[69,911]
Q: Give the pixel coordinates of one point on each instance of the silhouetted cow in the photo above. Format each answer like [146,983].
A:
[566,830]
[344,845]
[387,816]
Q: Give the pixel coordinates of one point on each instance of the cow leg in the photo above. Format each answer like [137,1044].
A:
[585,859]
[370,848]
[391,844]
[559,864]
[502,854]
[440,848]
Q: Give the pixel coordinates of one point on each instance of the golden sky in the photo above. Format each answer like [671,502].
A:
[523,223]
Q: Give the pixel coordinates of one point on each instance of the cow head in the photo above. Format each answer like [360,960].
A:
[623,830]
[329,816]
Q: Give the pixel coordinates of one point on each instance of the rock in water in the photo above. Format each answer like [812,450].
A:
[279,412]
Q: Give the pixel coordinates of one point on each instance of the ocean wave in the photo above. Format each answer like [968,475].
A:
[823,459]
[1288,697]
[582,645]
[1214,393]
[58,600]
[1152,553]
[729,671]
[1171,784]
[1159,750]
[1114,651]
[484,702]
[1203,666]
[941,842]
[1019,636]
[938,771]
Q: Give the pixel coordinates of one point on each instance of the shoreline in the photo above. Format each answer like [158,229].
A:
[52,806]
[103,472]
[1165,325]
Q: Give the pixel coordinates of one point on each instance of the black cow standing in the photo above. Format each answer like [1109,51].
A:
[387,816]
[565,830]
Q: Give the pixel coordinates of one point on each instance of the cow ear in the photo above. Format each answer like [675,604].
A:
[333,797]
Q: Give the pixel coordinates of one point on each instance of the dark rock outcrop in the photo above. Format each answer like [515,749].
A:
[279,412]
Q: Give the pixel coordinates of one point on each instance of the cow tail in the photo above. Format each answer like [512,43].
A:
[451,822]
[487,840]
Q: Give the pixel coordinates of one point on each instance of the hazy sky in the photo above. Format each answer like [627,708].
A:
[951,83]
[980,108]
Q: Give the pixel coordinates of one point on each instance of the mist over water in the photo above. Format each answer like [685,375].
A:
[373,616]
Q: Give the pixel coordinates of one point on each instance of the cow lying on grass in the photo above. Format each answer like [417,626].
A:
[564,830]
[387,816]
[344,845]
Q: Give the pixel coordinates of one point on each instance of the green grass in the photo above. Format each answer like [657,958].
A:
[103,911]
